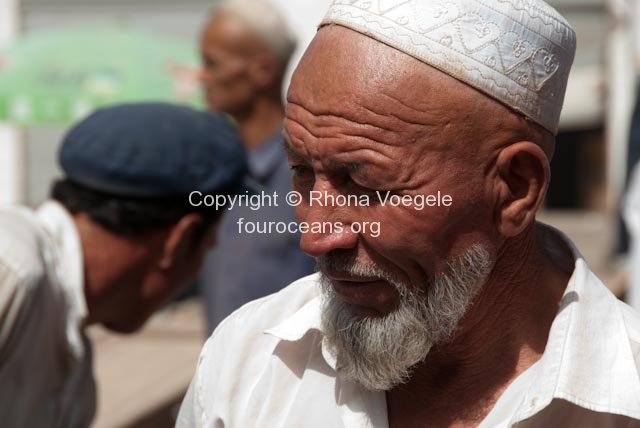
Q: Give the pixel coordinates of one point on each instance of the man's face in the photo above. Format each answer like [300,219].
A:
[150,283]
[226,50]
[363,118]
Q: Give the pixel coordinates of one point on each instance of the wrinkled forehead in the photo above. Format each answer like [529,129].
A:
[349,74]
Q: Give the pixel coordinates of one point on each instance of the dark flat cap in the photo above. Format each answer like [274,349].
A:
[154,150]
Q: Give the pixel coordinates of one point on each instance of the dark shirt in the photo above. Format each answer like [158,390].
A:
[243,267]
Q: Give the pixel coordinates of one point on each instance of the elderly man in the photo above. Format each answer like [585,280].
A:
[246,46]
[118,240]
[464,313]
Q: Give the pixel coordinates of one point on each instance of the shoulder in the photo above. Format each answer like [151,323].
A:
[21,247]
[239,349]
[22,274]
[254,318]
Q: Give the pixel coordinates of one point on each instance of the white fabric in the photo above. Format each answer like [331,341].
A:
[45,358]
[267,366]
[510,401]
[632,220]
[516,51]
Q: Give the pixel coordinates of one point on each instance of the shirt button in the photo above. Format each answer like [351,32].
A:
[534,401]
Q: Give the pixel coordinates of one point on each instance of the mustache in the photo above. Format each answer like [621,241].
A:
[338,262]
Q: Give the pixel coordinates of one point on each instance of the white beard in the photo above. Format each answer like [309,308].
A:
[379,352]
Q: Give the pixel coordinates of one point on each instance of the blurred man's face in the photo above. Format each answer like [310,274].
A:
[227,50]
[151,283]
[363,118]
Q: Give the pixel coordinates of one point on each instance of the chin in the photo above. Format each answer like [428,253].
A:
[213,108]
[125,327]
[214,105]
[366,312]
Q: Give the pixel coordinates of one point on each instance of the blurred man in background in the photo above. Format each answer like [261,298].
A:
[118,239]
[246,46]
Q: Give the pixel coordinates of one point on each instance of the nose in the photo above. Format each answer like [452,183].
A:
[319,243]
[202,75]
[329,227]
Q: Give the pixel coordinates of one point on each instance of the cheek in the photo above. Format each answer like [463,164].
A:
[408,234]
[224,76]
[301,213]
[421,241]
[149,289]
[234,78]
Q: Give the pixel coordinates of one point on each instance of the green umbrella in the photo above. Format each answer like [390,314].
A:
[56,77]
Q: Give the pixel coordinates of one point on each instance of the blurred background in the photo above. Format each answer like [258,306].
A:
[53,54]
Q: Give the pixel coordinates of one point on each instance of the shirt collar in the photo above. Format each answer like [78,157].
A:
[304,320]
[588,359]
[300,323]
[69,266]
[266,158]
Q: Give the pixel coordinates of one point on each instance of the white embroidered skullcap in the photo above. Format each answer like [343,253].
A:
[516,51]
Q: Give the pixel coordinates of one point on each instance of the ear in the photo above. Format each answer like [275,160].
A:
[184,241]
[523,174]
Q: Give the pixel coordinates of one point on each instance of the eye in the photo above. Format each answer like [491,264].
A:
[209,62]
[301,170]
[360,186]
[303,176]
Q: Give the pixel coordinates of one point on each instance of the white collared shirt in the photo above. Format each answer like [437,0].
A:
[45,358]
[267,365]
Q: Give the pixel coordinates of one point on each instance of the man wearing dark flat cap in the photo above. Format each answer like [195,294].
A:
[118,239]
